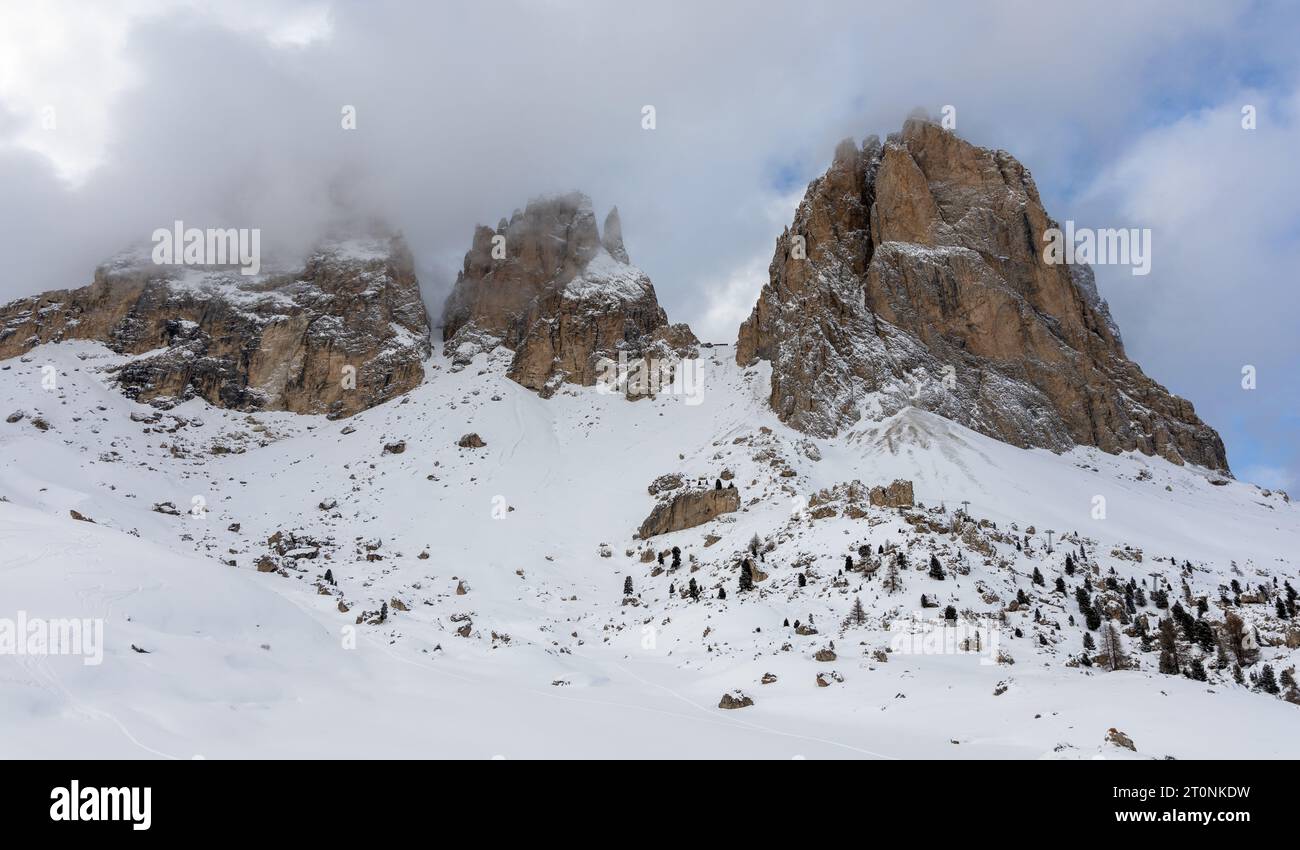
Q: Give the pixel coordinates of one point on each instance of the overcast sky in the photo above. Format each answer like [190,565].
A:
[1128,114]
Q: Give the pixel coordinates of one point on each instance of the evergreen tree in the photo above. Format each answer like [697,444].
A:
[1196,670]
[1069,564]
[329,576]
[848,562]
[383,613]
[660,559]
[893,582]
[803,580]
[936,569]
[694,589]
[1021,597]
[1113,646]
[1267,681]
[950,614]
[786,624]
[1038,578]
[1060,585]
[722,592]
[1088,642]
[857,614]
[627,586]
[1092,618]
[677,557]
[1205,635]
[671,589]
[746,576]
[1281,609]
[1169,661]
[717,485]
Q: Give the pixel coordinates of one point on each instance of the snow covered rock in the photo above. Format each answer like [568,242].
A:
[337,334]
[739,700]
[566,301]
[913,275]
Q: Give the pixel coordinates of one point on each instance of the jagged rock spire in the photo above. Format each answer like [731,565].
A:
[613,238]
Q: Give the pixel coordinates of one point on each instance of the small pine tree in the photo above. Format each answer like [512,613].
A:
[694,589]
[803,580]
[1038,578]
[1196,670]
[1088,642]
[746,576]
[1113,646]
[936,569]
[717,485]
[786,624]
[671,590]
[950,614]
[1060,585]
[627,586]
[722,592]
[892,581]
[857,614]
[1092,618]
[1267,680]
[1069,564]
[1281,609]
[1169,662]
[329,576]
[1021,597]
[848,562]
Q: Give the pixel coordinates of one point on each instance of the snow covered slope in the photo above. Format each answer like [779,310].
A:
[507,632]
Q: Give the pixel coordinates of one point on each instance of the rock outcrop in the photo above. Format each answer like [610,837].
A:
[914,274]
[689,508]
[342,332]
[564,299]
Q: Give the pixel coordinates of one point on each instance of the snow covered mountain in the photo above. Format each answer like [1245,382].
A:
[274,584]
[219,542]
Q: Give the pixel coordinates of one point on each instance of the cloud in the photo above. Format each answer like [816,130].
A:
[1222,205]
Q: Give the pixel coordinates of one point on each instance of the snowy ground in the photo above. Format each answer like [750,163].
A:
[238,662]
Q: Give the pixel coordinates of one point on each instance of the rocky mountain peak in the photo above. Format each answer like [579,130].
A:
[550,288]
[341,331]
[913,275]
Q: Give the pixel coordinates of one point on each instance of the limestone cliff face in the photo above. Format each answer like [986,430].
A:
[549,287]
[913,274]
[343,332]
[687,509]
